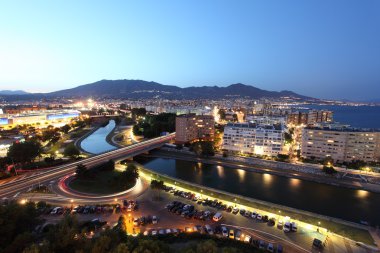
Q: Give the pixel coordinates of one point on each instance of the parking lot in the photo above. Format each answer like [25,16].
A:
[248,226]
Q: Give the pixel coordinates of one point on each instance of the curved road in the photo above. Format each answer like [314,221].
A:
[14,188]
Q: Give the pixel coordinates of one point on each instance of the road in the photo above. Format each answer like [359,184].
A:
[13,188]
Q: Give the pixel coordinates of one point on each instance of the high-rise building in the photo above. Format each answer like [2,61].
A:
[341,144]
[253,138]
[311,117]
[191,127]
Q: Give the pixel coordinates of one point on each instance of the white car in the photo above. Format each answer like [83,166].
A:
[168,231]
[56,210]
[259,217]
[217,217]
[224,231]
[280,224]
[287,226]
[253,215]
[294,226]
[154,220]
[154,232]
[248,239]
[146,232]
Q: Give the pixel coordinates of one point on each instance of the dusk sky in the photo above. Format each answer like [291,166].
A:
[321,48]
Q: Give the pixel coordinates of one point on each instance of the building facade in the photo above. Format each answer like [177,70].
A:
[342,145]
[191,127]
[311,117]
[253,138]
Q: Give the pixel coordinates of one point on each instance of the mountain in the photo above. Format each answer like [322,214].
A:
[13,92]
[139,89]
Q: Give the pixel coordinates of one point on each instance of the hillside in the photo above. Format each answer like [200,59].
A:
[139,89]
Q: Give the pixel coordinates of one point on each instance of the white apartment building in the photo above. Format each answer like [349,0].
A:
[342,145]
[253,138]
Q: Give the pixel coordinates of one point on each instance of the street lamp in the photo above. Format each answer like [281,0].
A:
[319,224]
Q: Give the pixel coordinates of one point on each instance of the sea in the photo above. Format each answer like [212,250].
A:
[356,116]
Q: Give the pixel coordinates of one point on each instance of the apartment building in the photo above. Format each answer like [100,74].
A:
[254,138]
[192,127]
[341,144]
[311,117]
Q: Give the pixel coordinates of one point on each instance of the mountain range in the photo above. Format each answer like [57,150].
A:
[139,89]
[13,92]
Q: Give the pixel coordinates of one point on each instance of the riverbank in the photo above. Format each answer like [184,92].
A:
[312,221]
[280,170]
[78,141]
[96,142]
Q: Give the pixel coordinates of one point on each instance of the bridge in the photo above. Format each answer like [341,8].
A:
[15,187]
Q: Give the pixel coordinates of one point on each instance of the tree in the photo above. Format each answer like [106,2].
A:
[138,112]
[122,223]
[222,114]
[24,152]
[203,148]
[71,151]
[65,129]
[329,170]
[51,134]
[328,161]
[208,246]
[157,186]
[102,244]
[80,170]
[132,172]
[121,248]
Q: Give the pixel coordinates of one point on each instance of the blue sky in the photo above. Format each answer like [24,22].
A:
[321,48]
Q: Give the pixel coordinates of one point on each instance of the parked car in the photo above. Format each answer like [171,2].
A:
[248,239]
[287,227]
[231,234]
[209,230]
[294,226]
[270,247]
[238,235]
[224,232]
[217,217]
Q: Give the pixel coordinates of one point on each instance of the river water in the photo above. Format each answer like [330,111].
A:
[348,204]
[96,142]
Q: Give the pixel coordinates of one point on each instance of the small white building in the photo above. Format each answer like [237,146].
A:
[254,138]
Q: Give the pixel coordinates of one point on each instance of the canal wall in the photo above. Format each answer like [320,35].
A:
[351,230]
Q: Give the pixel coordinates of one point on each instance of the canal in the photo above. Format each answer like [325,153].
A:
[348,204]
[96,142]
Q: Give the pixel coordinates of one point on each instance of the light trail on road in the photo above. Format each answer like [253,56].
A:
[7,189]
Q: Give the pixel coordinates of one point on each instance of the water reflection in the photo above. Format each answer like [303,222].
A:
[220,170]
[362,194]
[267,179]
[295,182]
[241,174]
[96,142]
